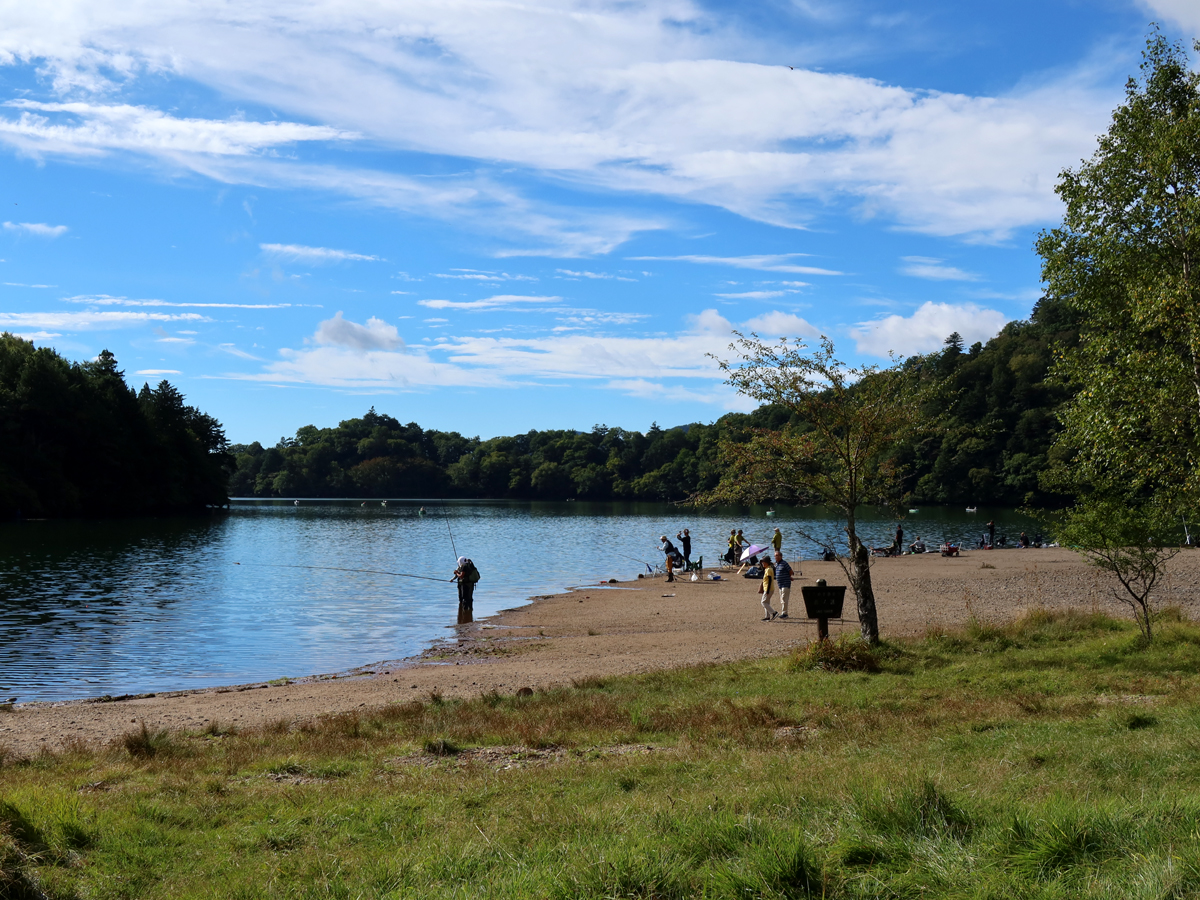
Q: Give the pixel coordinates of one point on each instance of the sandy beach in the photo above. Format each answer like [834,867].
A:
[628,628]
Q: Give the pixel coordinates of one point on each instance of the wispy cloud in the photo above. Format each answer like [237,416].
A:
[81,128]
[593,275]
[630,364]
[476,275]
[18,284]
[300,253]
[500,300]
[780,262]
[927,328]
[232,350]
[91,321]
[158,372]
[40,229]
[934,270]
[105,300]
[755,295]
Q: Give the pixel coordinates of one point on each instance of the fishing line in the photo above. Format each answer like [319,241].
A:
[339,569]
[446,516]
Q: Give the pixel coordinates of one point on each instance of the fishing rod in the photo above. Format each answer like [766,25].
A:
[339,569]
[446,516]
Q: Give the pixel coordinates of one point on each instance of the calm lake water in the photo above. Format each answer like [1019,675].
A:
[114,607]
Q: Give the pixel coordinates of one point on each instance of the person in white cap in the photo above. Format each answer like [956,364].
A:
[466,575]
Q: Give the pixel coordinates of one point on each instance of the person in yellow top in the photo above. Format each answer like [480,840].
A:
[735,548]
[767,589]
[777,540]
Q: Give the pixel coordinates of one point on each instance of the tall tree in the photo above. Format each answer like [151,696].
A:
[848,420]
[1127,258]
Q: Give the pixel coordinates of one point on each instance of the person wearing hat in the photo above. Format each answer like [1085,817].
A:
[467,577]
[777,540]
[685,541]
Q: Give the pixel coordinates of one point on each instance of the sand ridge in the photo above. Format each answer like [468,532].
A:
[633,627]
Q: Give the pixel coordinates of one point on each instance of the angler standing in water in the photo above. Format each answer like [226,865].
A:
[467,577]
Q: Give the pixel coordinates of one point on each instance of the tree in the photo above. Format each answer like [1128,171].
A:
[1132,542]
[1127,259]
[839,451]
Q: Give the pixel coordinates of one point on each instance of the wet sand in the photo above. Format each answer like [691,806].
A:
[636,626]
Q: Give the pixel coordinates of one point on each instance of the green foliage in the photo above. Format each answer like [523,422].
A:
[838,449]
[1048,765]
[75,440]
[1127,259]
[997,415]
[1130,539]
[377,456]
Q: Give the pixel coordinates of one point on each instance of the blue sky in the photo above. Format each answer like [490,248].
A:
[491,217]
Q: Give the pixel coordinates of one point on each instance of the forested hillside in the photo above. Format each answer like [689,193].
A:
[76,440]
[996,417]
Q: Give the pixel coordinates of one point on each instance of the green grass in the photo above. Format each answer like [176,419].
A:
[1056,757]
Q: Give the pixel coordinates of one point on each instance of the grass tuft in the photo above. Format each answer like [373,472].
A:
[442,747]
[846,654]
[143,743]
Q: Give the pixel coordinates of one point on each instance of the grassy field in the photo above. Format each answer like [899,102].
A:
[1055,757]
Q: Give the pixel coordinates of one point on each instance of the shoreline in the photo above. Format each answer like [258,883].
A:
[593,631]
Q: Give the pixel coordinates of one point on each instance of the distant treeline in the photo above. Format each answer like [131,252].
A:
[76,440]
[995,409]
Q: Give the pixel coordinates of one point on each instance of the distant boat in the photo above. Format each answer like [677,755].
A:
[914,510]
[972,509]
[384,503]
[770,512]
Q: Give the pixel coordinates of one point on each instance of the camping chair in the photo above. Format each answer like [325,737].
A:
[694,566]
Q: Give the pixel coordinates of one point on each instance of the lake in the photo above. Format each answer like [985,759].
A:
[89,608]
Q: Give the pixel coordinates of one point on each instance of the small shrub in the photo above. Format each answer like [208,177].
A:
[144,743]
[442,747]
[846,654]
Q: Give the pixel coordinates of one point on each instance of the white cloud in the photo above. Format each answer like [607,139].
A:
[17,284]
[1184,13]
[88,128]
[232,350]
[755,295]
[593,275]
[927,328]
[780,262]
[627,363]
[375,335]
[475,275]
[91,321]
[500,300]
[300,253]
[106,300]
[663,97]
[781,324]
[934,270]
[157,372]
[41,229]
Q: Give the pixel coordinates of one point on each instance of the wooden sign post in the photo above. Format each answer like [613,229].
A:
[823,602]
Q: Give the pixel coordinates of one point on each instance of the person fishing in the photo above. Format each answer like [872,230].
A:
[685,542]
[467,577]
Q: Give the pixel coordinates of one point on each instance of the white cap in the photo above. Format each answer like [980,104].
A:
[462,560]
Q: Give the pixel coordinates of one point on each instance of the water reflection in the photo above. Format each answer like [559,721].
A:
[89,608]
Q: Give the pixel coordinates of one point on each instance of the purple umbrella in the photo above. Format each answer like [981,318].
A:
[752,550]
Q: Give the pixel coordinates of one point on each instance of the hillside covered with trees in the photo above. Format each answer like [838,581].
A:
[76,440]
[995,414]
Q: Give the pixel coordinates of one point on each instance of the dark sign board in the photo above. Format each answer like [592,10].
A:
[823,602]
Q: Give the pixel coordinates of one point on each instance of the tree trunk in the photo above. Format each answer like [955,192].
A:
[860,581]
